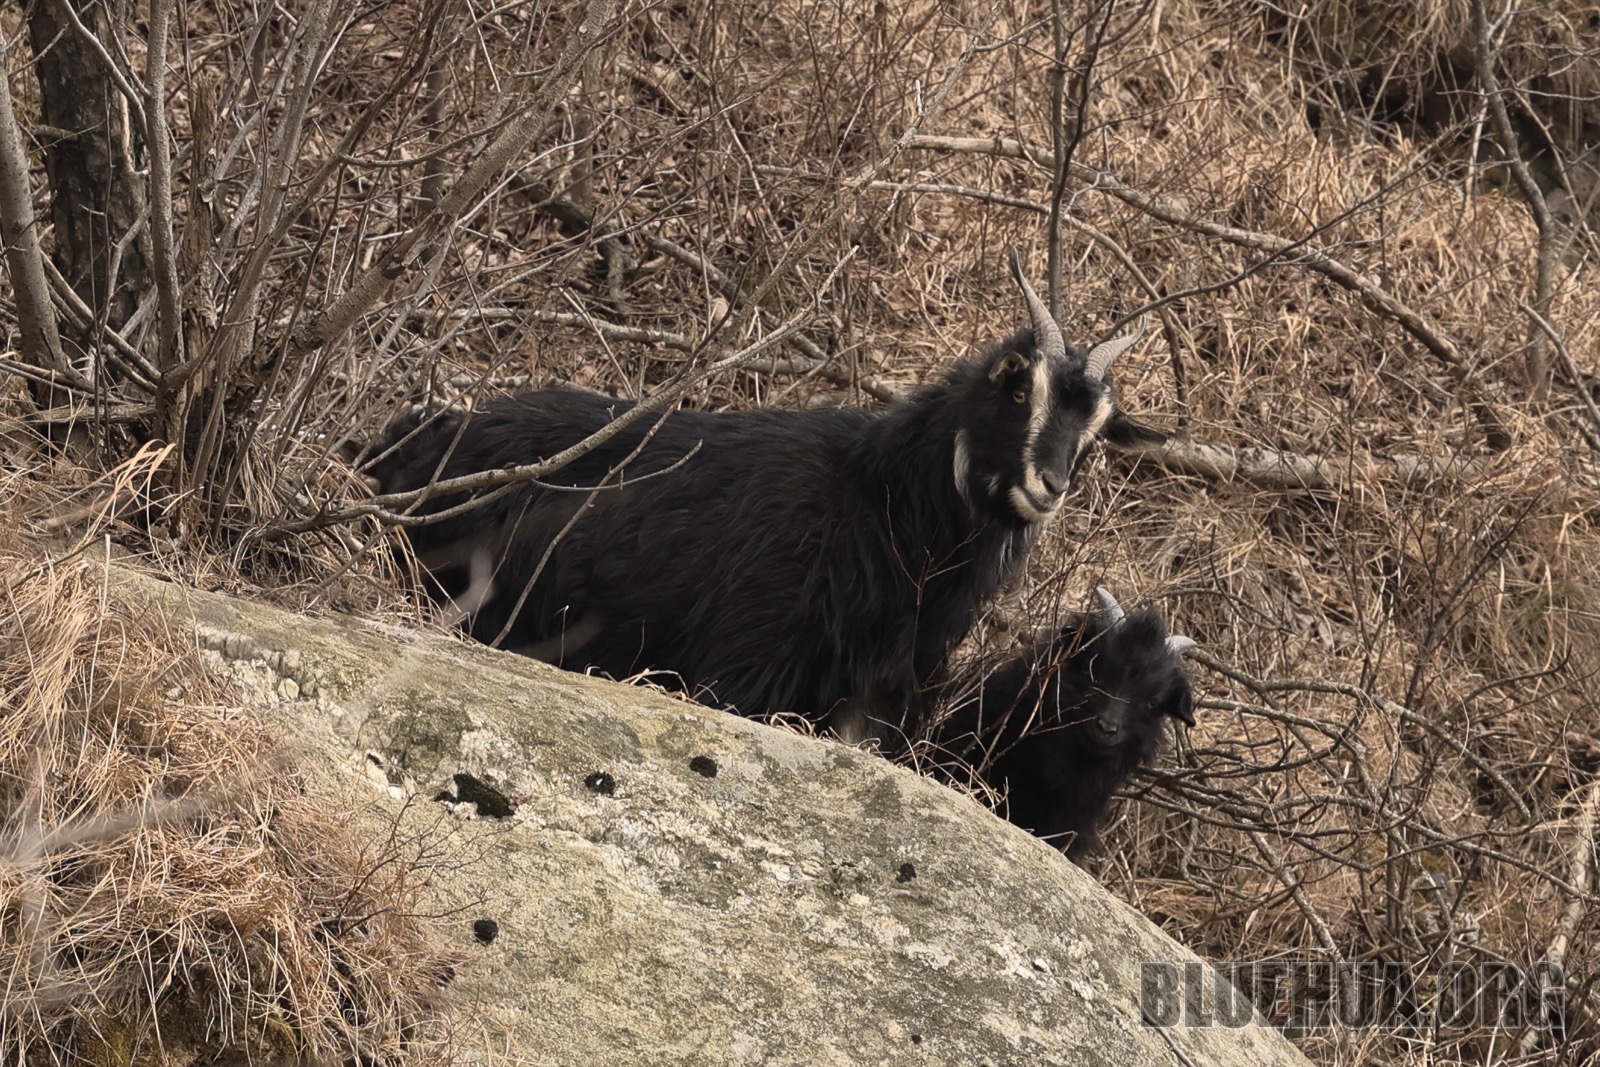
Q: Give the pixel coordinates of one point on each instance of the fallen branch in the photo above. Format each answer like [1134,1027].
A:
[1275,469]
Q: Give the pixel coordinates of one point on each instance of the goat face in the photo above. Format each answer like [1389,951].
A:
[1026,427]
[1031,412]
[1124,680]
[1073,718]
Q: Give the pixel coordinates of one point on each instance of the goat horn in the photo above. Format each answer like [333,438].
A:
[1178,644]
[1046,334]
[1102,355]
[1109,605]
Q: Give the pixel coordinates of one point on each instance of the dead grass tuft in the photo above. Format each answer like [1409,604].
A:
[169,886]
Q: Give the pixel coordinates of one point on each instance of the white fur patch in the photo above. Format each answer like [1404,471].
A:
[1103,410]
[1040,401]
[963,465]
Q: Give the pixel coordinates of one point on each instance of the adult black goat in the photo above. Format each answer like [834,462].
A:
[1059,728]
[820,562]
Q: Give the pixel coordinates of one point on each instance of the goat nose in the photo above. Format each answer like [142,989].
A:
[1053,485]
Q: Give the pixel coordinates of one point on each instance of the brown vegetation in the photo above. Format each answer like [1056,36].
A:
[171,890]
[1379,518]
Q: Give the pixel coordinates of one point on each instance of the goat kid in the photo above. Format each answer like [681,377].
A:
[822,562]
[1061,727]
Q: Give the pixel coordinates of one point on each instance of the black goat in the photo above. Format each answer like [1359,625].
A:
[820,562]
[1061,727]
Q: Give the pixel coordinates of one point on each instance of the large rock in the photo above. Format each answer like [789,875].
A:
[681,886]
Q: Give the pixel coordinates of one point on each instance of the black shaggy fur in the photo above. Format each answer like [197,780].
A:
[1062,726]
[793,562]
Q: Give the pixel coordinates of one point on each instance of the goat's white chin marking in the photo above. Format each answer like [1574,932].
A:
[1028,510]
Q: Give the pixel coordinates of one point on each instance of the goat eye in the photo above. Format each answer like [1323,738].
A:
[1020,396]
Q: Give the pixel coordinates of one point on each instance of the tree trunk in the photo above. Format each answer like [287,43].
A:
[89,155]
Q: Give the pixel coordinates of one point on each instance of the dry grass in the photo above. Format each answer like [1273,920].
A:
[169,887]
[1409,784]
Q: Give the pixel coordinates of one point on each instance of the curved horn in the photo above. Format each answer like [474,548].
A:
[1046,334]
[1178,644]
[1102,355]
[1109,605]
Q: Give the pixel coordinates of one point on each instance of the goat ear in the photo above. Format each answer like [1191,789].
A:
[1124,430]
[1005,365]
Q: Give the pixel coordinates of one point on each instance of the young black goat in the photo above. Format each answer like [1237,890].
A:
[1062,726]
[818,562]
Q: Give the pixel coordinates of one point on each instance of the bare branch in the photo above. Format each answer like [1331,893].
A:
[1297,891]
[577,513]
[1581,876]
[1414,322]
[1371,292]
[656,402]
[1395,711]
[168,352]
[1158,302]
[421,242]
[1066,134]
[867,173]
[237,327]
[1568,364]
[118,76]
[51,379]
[1538,365]
[129,360]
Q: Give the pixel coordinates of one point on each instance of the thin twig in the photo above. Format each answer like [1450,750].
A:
[1371,292]
[419,244]
[1538,365]
[1568,364]
[615,472]
[129,360]
[663,397]
[168,350]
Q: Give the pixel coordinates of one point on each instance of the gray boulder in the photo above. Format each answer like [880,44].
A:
[642,880]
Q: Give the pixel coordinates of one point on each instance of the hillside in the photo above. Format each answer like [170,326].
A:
[1366,235]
